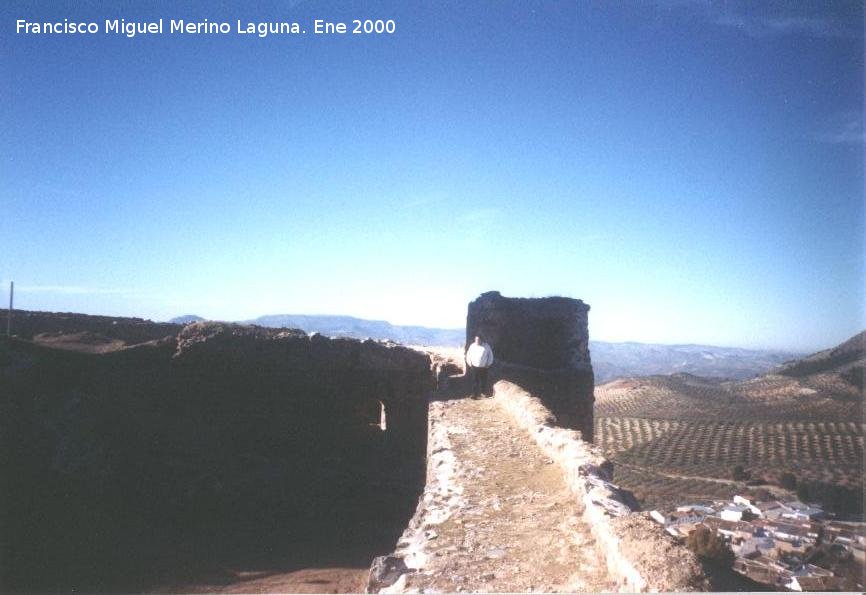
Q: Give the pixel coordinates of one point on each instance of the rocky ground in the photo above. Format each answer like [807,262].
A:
[500,517]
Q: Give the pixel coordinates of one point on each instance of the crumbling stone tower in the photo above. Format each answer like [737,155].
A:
[542,344]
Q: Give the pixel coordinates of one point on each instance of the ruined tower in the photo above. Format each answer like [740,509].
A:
[541,344]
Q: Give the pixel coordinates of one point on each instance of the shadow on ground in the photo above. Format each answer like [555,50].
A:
[84,547]
[453,388]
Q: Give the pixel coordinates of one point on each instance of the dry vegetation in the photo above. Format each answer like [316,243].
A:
[677,438]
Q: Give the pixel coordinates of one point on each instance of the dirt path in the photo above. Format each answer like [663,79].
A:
[517,527]
[655,471]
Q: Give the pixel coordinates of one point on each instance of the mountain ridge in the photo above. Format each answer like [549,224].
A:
[611,360]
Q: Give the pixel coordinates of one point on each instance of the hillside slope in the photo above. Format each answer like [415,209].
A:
[846,360]
[678,437]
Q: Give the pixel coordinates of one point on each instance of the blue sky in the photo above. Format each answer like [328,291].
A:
[692,170]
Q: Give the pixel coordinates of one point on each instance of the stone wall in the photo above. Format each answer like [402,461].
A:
[221,432]
[639,554]
[541,344]
[544,379]
[339,383]
[545,333]
[27,324]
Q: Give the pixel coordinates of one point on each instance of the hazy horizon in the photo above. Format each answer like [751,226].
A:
[691,170]
[460,328]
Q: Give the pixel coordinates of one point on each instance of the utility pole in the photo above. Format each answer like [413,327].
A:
[9,317]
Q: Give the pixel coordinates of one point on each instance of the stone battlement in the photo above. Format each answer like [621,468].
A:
[546,333]
[542,345]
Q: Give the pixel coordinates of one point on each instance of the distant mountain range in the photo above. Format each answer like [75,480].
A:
[186,319]
[623,360]
[609,360]
[359,328]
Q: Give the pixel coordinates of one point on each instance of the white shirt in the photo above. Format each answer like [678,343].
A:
[479,355]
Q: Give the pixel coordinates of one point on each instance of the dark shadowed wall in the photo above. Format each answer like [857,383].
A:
[543,345]
[218,436]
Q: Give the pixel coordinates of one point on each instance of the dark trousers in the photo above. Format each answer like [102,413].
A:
[479,380]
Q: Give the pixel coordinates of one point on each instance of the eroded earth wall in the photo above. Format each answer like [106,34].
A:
[218,432]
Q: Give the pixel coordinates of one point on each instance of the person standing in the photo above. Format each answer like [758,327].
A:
[479,358]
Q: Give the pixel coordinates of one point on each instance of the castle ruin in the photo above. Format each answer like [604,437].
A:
[251,439]
[541,344]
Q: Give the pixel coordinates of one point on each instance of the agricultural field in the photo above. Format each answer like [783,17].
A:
[659,490]
[676,439]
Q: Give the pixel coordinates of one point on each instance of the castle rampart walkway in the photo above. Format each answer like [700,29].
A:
[498,514]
